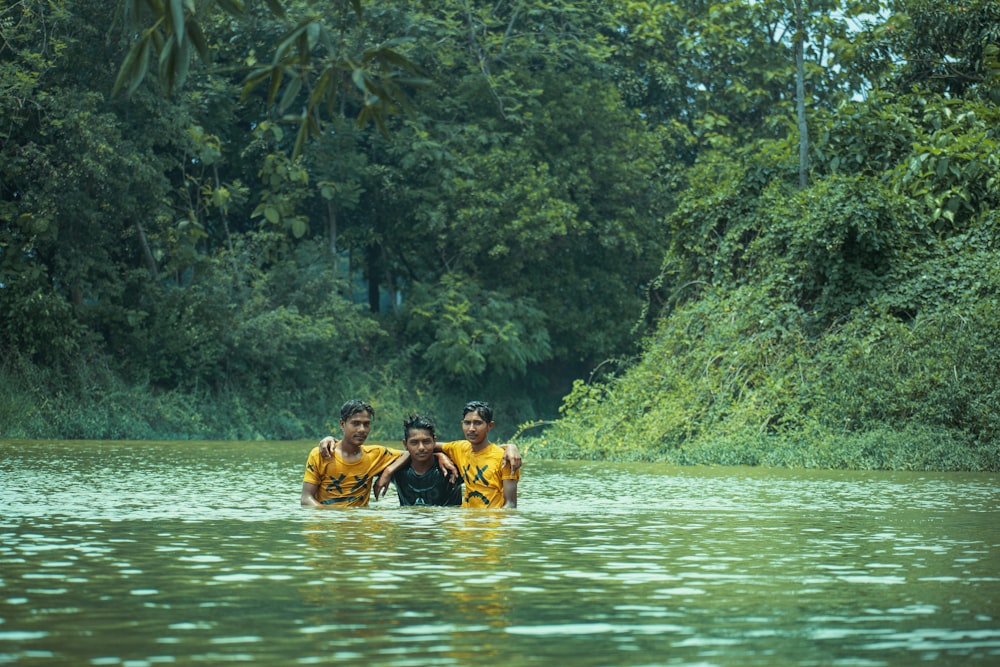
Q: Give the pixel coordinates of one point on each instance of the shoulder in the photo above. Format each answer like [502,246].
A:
[379,450]
[491,449]
[455,445]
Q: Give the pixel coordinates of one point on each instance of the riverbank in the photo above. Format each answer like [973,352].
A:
[735,379]
[99,406]
[916,448]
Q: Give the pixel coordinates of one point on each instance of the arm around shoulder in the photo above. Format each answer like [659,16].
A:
[511,456]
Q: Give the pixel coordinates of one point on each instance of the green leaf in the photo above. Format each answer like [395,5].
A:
[181,67]
[291,92]
[290,39]
[197,38]
[358,76]
[233,7]
[168,63]
[177,18]
[135,66]
[276,74]
[300,137]
[277,8]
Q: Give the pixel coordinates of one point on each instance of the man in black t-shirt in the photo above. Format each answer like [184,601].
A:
[421,481]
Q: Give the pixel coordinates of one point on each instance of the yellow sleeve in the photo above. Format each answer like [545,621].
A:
[384,457]
[313,464]
[451,449]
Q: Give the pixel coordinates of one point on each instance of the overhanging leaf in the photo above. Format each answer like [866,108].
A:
[177,19]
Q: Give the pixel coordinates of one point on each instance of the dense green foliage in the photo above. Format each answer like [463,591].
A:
[851,323]
[222,218]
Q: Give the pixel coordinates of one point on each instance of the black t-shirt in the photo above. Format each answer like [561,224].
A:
[431,488]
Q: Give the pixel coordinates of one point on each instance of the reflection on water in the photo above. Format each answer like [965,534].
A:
[197,553]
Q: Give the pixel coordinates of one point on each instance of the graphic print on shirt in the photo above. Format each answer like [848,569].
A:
[361,482]
[479,474]
[476,494]
[472,479]
[335,484]
[430,488]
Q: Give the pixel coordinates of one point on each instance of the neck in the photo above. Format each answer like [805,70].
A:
[349,448]
[420,467]
[481,446]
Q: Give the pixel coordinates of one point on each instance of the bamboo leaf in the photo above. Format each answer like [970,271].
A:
[177,18]
[276,7]
[181,66]
[358,76]
[319,90]
[197,38]
[276,76]
[300,139]
[291,92]
[135,66]
[233,7]
[166,64]
[289,39]
[313,30]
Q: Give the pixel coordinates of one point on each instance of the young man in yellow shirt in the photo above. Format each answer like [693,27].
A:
[343,475]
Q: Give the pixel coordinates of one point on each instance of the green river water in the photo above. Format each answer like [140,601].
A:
[195,553]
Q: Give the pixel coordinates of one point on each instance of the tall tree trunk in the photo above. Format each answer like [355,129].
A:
[800,94]
[374,302]
[331,217]
[146,253]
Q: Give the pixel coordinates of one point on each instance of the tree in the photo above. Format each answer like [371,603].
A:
[320,56]
[79,177]
[800,95]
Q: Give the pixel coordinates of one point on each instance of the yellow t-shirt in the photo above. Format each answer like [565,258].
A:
[481,471]
[343,483]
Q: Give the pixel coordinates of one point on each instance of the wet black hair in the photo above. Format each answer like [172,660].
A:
[418,423]
[353,407]
[481,408]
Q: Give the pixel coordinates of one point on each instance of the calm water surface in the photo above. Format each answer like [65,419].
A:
[197,553]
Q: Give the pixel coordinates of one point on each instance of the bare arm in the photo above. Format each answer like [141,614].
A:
[447,466]
[510,493]
[384,477]
[309,495]
[511,456]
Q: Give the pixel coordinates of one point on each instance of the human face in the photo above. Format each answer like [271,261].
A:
[356,428]
[420,444]
[476,429]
